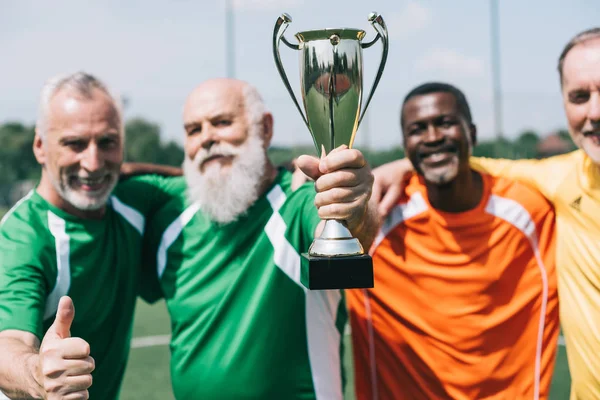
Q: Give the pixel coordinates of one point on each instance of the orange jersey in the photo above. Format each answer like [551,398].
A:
[464,305]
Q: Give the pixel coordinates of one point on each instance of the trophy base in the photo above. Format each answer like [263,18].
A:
[350,272]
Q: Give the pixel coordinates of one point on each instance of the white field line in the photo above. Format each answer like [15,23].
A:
[150,341]
[163,340]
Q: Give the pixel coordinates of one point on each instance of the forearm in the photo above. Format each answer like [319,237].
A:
[130,169]
[18,363]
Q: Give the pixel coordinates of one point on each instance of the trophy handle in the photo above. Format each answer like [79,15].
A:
[378,24]
[280,26]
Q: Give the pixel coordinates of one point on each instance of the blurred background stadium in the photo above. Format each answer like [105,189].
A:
[502,54]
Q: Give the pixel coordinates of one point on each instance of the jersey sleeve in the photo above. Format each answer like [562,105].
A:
[148,193]
[24,278]
[150,288]
[301,216]
[543,175]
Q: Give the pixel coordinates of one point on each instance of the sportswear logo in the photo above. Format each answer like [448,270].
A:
[576,204]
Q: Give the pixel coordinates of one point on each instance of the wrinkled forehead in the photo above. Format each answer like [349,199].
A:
[210,103]
[71,110]
[429,106]
[581,67]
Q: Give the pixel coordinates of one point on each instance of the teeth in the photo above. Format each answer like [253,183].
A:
[91,182]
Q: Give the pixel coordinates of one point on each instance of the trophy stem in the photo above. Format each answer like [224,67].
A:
[335,240]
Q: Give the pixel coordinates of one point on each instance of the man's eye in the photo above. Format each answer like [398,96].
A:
[223,122]
[415,130]
[579,97]
[107,143]
[75,144]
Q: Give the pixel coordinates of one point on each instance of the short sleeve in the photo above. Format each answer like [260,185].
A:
[24,283]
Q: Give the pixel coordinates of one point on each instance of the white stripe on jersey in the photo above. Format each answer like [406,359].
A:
[322,334]
[131,215]
[171,234]
[63,273]
[515,214]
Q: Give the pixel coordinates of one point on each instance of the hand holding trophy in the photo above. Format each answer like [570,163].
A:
[331,83]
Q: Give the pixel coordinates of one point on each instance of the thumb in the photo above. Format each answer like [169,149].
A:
[309,166]
[64,318]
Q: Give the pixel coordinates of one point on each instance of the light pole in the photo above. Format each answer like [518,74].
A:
[230,39]
[496,75]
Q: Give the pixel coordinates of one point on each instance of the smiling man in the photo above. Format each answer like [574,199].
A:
[78,233]
[465,300]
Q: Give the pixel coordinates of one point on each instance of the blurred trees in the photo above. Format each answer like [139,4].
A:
[143,144]
[16,155]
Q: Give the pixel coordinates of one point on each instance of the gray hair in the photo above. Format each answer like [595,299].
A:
[82,83]
[589,34]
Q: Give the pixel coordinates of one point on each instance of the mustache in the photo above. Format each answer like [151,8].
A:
[221,149]
[425,151]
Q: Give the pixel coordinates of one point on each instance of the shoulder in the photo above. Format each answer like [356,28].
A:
[24,234]
[508,195]
[24,219]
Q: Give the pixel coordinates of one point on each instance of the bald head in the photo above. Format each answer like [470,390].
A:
[217,95]
[224,110]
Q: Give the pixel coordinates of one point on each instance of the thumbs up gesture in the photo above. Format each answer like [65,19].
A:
[65,364]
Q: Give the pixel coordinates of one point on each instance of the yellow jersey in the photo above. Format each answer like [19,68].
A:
[571,182]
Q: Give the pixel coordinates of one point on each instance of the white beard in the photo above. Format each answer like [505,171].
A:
[224,196]
[80,200]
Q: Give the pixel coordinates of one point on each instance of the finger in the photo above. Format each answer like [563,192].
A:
[53,368]
[390,199]
[65,313]
[80,395]
[340,159]
[77,383]
[376,191]
[74,348]
[338,149]
[79,367]
[69,386]
[309,166]
[342,211]
[337,195]
[344,178]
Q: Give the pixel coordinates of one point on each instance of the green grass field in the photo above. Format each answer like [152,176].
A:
[147,375]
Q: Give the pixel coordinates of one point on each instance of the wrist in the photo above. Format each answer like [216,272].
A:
[36,388]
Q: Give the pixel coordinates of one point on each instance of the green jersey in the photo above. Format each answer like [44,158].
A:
[46,253]
[243,327]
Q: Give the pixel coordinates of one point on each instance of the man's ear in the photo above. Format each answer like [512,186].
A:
[267,129]
[38,148]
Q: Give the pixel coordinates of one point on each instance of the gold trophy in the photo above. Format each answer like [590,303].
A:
[331,83]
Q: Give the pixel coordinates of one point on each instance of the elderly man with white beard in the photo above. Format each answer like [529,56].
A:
[225,256]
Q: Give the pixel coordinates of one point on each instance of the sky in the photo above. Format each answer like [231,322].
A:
[155,52]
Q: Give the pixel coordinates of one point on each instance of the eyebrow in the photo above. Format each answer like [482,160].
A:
[212,117]
[107,135]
